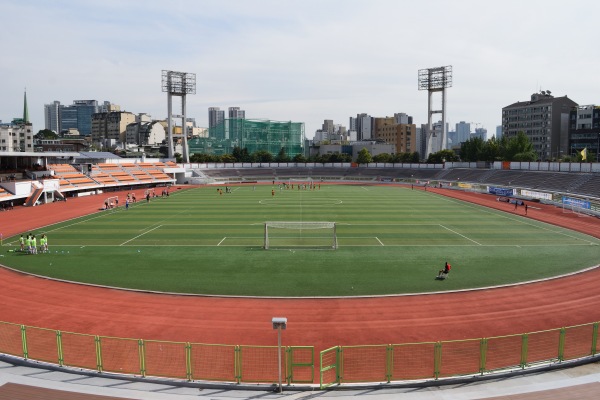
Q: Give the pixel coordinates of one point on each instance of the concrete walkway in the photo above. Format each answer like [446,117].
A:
[26,382]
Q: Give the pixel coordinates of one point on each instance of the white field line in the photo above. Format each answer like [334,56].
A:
[362,187]
[379,241]
[222,240]
[141,234]
[351,245]
[459,234]
[503,214]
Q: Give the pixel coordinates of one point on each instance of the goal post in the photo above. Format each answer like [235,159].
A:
[305,234]
[111,202]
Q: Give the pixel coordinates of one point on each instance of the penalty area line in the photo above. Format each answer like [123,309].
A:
[141,234]
[459,234]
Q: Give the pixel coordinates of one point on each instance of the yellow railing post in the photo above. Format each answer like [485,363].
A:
[24,341]
[98,353]
[289,355]
[482,355]
[561,344]
[59,348]
[238,364]
[142,357]
[389,362]
[188,361]
[340,362]
[594,338]
[437,359]
[524,341]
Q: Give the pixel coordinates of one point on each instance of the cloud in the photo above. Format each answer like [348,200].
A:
[301,61]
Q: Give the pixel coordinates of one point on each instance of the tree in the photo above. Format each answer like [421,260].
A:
[442,156]
[491,150]
[472,149]
[323,158]
[263,156]
[383,158]
[237,153]
[299,158]
[414,157]
[228,158]
[178,158]
[204,158]
[46,134]
[282,156]
[364,157]
[518,148]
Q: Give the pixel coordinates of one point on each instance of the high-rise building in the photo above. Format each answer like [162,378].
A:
[498,132]
[584,131]
[68,118]
[85,109]
[76,116]
[463,132]
[236,113]
[401,135]
[52,116]
[328,126]
[352,126]
[364,126]
[215,116]
[112,125]
[402,118]
[480,133]
[544,119]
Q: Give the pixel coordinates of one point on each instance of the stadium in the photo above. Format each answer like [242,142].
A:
[185,286]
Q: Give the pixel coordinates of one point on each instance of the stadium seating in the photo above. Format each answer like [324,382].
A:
[4,193]
[70,178]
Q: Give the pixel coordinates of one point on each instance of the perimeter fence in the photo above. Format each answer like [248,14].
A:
[337,365]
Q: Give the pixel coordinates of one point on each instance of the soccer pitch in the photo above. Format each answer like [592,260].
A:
[390,240]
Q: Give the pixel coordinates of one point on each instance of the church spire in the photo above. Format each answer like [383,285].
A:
[25,110]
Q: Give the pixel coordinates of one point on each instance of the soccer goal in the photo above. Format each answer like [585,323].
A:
[306,235]
[571,208]
[111,202]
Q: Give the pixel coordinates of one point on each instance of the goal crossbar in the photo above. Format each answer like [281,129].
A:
[301,226]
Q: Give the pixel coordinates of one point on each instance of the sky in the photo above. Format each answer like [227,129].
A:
[302,61]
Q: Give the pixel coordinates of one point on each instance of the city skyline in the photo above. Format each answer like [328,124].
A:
[301,62]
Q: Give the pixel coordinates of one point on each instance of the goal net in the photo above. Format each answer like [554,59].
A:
[292,234]
[111,202]
[579,207]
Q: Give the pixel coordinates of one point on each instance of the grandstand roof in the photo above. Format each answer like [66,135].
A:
[95,155]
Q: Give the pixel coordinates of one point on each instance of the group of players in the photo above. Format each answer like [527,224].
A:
[29,244]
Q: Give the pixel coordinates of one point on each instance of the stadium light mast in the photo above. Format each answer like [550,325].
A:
[435,80]
[178,84]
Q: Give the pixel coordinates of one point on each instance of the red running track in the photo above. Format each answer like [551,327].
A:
[318,322]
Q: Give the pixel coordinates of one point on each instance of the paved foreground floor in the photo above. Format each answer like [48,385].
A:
[23,382]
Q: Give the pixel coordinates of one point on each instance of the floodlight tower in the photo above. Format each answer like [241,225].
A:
[178,84]
[435,80]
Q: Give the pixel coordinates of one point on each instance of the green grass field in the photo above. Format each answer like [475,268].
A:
[391,240]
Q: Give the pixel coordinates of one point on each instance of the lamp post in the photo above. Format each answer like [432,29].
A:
[279,323]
